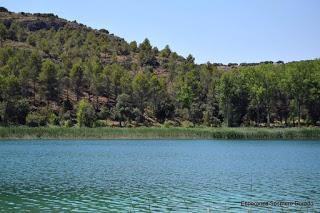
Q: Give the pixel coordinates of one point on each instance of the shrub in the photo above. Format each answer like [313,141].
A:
[67,105]
[100,123]
[67,124]
[169,123]
[137,115]
[53,119]
[35,119]
[15,112]
[187,124]
[104,113]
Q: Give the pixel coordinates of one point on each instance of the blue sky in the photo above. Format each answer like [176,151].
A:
[211,30]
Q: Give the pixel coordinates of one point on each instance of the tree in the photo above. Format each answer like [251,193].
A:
[85,114]
[141,89]
[10,87]
[226,91]
[190,59]
[35,119]
[77,78]
[123,108]
[297,83]
[195,113]
[115,79]
[49,81]
[262,85]
[34,67]
[164,110]
[92,73]
[187,86]
[16,112]
[3,33]
[145,45]
[157,90]
[147,55]
[313,95]
[165,53]
[133,46]
[211,115]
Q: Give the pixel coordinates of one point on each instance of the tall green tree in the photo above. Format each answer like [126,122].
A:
[3,33]
[34,67]
[298,82]
[124,108]
[262,85]
[141,90]
[77,77]
[49,81]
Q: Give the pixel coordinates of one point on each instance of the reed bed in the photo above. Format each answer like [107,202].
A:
[158,133]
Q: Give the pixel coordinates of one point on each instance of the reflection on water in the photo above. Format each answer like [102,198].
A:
[157,176]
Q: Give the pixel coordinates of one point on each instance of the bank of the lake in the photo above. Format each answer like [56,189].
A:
[157,133]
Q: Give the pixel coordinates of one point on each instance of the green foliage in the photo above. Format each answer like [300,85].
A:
[164,110]
[15,112]
[100,123]
[36,119]
[50,63]
[85,114]
[67,124]
[53,119]
[49,81]
[77,76]
[165,53]
[3,33]
[147,56]
[123,109]
[141,89]
[133,46]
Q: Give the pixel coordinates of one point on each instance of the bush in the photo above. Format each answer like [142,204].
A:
[15,112]
[169,123]
[100,123]
[67,124]
[67,105]
[35,119]
[164,110]
[210,120]
[187,124]
[104,113]
[53,119]
[137,115]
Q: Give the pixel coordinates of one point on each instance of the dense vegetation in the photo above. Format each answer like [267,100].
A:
[239,133]
[56,72]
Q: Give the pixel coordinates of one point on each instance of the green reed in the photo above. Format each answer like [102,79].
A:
[157,133]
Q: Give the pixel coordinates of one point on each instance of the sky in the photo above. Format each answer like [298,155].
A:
[219,31]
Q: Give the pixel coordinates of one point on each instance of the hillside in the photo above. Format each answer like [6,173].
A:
[58,72]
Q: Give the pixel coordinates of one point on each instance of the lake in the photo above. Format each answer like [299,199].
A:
[159,176]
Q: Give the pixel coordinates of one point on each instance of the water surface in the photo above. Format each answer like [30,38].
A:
[157,175]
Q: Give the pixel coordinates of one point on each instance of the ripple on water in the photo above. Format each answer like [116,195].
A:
[159,176]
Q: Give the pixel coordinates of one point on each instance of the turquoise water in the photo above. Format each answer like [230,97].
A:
[157,175]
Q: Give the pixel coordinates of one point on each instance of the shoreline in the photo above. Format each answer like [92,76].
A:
[239,133]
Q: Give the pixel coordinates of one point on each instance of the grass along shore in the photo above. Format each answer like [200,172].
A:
[157,133]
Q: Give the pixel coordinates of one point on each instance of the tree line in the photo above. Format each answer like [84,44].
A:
[71,75]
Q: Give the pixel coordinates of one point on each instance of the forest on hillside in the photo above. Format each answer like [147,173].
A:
[55,72]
